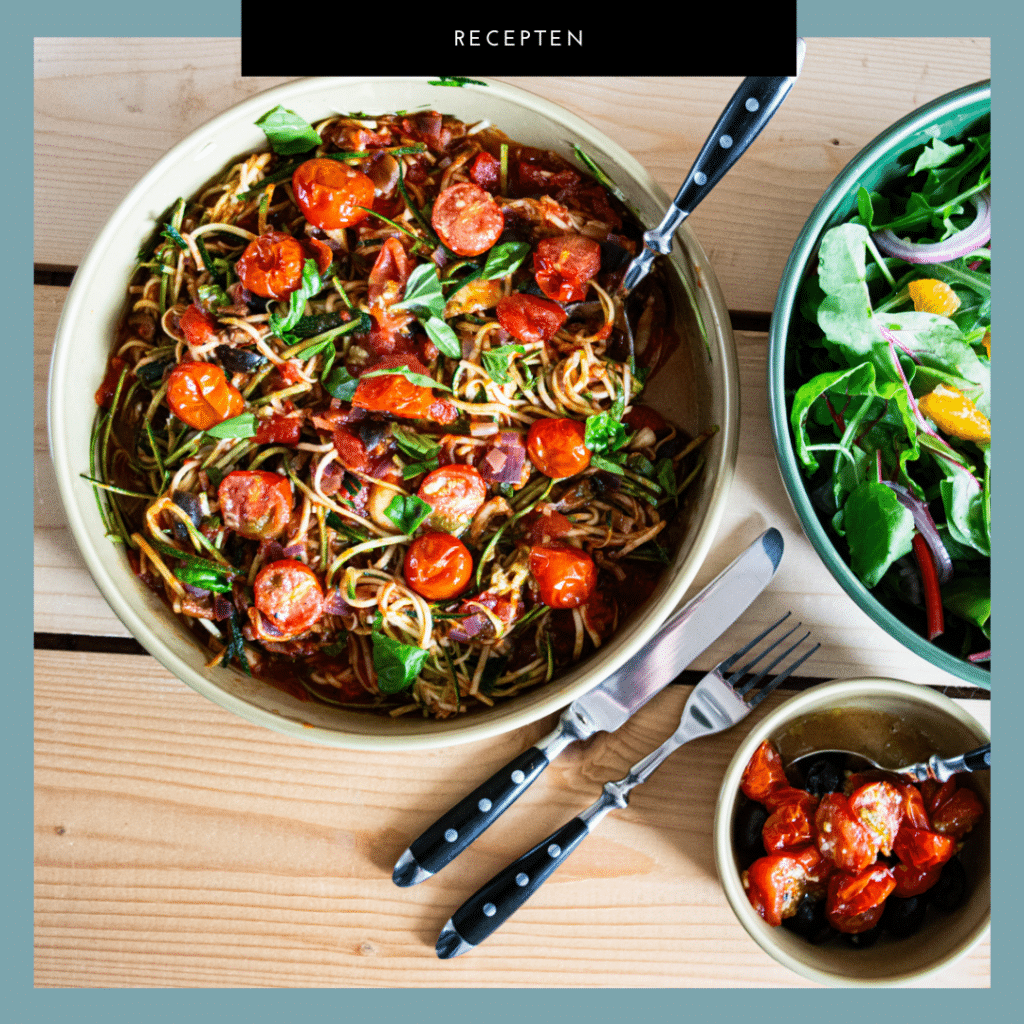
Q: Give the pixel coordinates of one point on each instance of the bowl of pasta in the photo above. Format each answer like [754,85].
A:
[346,425]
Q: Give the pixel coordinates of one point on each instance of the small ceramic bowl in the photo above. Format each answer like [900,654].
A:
[949,116]
[893,723]
[698,389]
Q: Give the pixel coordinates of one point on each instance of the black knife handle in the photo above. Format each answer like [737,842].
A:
[443,841]
[493,904]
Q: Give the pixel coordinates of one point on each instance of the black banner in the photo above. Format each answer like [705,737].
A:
[693,41]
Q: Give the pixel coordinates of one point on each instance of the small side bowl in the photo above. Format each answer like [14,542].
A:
[893,722]
[944,118]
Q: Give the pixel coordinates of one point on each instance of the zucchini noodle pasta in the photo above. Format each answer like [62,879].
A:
[371,426]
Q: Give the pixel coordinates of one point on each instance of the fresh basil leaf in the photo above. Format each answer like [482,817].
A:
[496,362]
[236,646]
[419,379]
[407,511]
[204,578]
[310,286]
[397,665]
[414,445]
[288,133]
[604,432]
[504,259]
[665,476]
[340,383]
[423,295]
[600,462]
[416,468]
[454,81]
[243,425]
[442,336]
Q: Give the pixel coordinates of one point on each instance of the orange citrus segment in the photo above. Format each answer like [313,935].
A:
[931,296]
[955,414]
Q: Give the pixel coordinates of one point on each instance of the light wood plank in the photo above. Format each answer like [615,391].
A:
[177,845]
[110,108]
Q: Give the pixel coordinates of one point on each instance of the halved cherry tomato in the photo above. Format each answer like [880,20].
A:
[564,265]
[641,416]
[199,394]
[197,325]
[529,318]
[289,595]
[389,273]
[438,566]
[786,795]
[255,503]
[921,848]
[485,171]
[108,386]
[857,924]
[566,576]
[330,192]
[959,814]
[764,773]
[556,447]
[775,885]
[397,395]
[879,805]
[279,429]
[467,219]
[786,829]
[852,895]
[914,812]
[271,265]
[351,450]
[914,881]
[842,838]
[816,867]
[455,493]
[935,794]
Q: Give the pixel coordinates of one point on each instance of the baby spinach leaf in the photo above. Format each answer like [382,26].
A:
[878,530]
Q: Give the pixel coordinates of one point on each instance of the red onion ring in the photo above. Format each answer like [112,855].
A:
[963,242]
[927,528]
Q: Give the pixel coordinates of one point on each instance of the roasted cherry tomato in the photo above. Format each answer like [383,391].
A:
[786,795]
[351,450]
[852,895]
[914,812]
[816,867]
[935,794]
[289,596]
[914,881]
[775,885]
[467,219]
[764,773]
[842,838]
[556,447]
[197,325]
[485,171]
[278,429]
[641,416]
[255,503]
[396,394]
[879,805]
[438,566]
[108,386]
[330,193]
[920,848]
[199,394]
[271,265]
[455,493]
[959,814]
[787,828]
[529,318]
[565,576]
[564,265]
[857,924]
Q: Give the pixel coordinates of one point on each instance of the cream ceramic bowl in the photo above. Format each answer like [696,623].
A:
[893,723]
[699,388]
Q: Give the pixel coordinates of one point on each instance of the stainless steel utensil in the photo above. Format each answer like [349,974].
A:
[939,768]
[687,633]
[717,703]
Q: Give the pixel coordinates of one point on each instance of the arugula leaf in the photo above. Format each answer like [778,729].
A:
[340,383]
[496,362]
[288,133]
[310,286]
[397,665]
[243,425]
[407,512]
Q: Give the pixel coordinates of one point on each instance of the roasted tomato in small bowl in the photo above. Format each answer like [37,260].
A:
[857,879]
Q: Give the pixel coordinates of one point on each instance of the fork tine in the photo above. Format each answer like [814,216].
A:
[754,680]
[785,674]
[727,665]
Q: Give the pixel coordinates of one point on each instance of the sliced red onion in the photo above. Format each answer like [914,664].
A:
[926,527]
[980,656]
[977,234]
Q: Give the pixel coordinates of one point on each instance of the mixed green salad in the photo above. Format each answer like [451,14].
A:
[888,374]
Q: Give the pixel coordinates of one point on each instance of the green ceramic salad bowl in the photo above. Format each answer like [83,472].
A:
[956,116]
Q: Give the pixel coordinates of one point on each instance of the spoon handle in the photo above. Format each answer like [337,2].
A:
[978,760]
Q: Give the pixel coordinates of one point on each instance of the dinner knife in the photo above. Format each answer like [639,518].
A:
[688,632]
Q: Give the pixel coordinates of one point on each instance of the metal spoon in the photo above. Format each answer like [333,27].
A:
[938,768]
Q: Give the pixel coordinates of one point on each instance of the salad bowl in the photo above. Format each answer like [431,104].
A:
[795,333]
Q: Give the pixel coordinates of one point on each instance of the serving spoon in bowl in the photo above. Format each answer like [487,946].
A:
[812,767]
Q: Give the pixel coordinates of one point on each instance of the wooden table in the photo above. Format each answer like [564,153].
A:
[177,845]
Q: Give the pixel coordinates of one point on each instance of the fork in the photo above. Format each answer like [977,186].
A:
[720,700]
